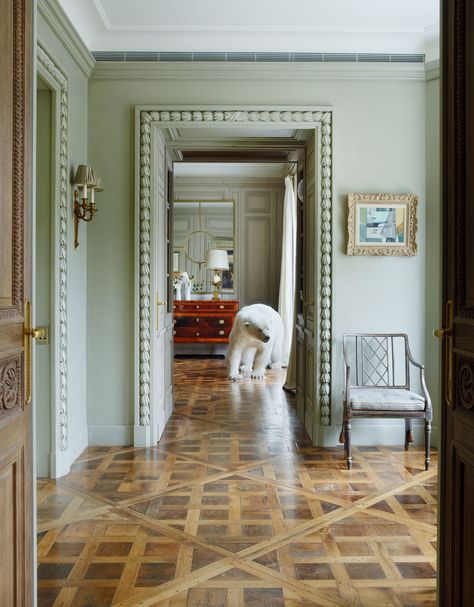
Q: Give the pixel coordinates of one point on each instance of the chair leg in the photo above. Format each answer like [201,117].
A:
[341,435]
[427,443]
[347,442]
[409,438]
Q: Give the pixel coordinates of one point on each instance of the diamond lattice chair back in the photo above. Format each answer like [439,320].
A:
[377,384]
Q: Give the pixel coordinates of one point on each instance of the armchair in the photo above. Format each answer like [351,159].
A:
[377,384]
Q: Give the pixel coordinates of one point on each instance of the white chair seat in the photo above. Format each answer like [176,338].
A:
[385,399]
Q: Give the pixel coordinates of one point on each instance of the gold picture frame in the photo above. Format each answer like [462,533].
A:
[382,224]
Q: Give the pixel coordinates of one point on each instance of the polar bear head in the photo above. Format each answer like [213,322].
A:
[258,327]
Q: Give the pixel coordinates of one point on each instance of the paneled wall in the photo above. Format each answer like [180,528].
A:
[258,229]
[63,45]
[379,145]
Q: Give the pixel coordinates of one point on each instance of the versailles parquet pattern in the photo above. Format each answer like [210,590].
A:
[235,508]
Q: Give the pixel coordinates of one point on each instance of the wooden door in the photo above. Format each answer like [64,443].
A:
[15,279]
[457,449]
[306,285]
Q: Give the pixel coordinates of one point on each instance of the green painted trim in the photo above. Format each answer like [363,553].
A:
[145,70]
[55,17]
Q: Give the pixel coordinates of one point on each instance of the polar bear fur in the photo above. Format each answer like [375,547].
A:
[255,342]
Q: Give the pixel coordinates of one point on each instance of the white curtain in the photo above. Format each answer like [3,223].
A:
[286,301]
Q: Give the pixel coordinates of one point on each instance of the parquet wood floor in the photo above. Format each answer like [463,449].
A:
[235,508]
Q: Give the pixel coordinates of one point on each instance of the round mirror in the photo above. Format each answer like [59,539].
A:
[196,245]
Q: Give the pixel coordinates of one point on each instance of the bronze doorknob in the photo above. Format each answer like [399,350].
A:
[441,333]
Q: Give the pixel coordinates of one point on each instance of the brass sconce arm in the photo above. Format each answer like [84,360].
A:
[85,178]
[85,211]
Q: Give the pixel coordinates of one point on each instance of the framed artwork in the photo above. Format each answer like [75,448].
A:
[228,275]
[382,224]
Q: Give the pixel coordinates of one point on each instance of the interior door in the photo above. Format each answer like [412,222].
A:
[305,319]
[457,449]
[16,483]
[163,401]
[309,283]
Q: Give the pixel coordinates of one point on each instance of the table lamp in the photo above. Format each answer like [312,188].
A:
[217,260]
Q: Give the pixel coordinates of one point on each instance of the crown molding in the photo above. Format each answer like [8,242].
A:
[57,20]
[185,182]
[432,70]
[143,70]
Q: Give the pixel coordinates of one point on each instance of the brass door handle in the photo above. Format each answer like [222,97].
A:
[158,304]
[447,334]
[30,333]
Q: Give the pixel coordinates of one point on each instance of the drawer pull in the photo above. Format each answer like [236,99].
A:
[197,319]
[197,307]
[221,307]
[197,334]
[221,322]
[221,332]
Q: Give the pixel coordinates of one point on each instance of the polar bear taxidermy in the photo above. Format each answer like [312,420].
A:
[255,342]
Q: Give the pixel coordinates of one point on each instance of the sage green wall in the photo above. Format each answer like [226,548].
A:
[43,278]
[76,259]
[379,145]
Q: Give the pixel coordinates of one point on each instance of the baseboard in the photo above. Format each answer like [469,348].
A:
[110,435]
[142,436]
[389,433]
[61,461]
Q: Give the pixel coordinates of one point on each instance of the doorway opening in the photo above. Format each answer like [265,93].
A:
[306,143]
[43,280]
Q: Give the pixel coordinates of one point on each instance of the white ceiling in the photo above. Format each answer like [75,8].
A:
[357,26]
[230,169]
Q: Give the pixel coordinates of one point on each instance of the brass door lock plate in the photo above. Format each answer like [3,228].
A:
[41,336]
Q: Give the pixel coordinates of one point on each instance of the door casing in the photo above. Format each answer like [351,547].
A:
[149,121]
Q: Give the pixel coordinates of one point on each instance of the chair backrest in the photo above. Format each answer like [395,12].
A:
[377,359]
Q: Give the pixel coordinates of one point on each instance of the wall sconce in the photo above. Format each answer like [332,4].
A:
[87,179]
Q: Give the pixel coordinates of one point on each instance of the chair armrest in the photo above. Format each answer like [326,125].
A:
[346,381]
[414,362]
[426,394]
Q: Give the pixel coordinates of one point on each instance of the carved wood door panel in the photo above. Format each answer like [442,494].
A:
[16,37]
[457,468]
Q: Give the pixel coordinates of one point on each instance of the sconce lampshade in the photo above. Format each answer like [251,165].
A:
[84,176]
[97,181]
[217,259]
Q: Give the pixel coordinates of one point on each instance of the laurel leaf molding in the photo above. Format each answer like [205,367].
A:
[60,83]
[173,117]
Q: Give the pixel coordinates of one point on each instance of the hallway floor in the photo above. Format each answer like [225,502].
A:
[235,508]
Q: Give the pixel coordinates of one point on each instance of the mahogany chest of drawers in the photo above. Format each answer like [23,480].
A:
[203,321]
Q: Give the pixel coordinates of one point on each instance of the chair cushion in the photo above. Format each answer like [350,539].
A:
[385,399]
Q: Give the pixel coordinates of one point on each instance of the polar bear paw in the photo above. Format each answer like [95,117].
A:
[246,369]
[236,377]
[258,373]
[275,366]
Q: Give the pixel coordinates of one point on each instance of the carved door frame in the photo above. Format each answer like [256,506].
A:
[149,119]
[51,73]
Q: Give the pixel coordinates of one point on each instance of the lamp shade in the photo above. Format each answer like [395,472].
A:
[217,259]
[84,175]
[97,181]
